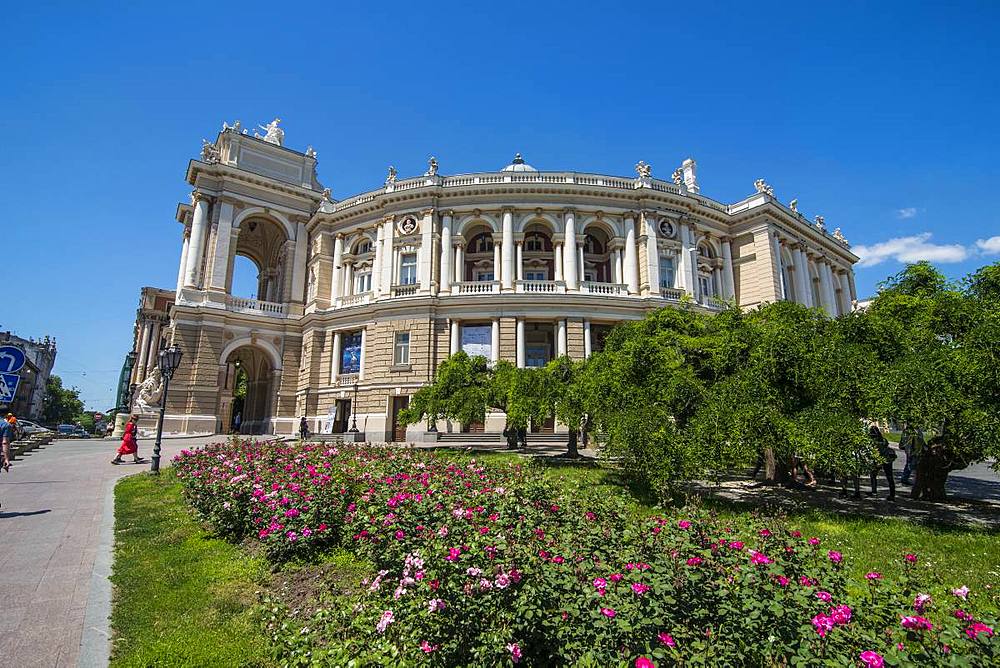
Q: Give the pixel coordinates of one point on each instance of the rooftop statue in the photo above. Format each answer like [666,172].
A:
[643,170]
[432,167]
[209,151]
[762,186]
[327,194]
[310,152]
[235,127]
[678,177]
[839,236]
[391,176]
[820,223]
[275,135]
[794,205]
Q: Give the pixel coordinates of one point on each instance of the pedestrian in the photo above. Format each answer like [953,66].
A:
[6,436]
[912,443]
[129,444]
[303,428]
[887,456]
[15,428]
[109,429]
[236,422]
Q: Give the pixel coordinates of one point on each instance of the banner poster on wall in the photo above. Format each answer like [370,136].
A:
[350,355]
[476,340]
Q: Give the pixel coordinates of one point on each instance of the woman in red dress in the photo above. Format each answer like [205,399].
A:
[129,445]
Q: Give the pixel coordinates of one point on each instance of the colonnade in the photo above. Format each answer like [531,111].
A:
[832,288]
[147,347]
[560,338]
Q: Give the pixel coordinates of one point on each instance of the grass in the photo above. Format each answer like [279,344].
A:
[182,597]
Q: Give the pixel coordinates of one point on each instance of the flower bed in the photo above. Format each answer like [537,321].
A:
[486,565]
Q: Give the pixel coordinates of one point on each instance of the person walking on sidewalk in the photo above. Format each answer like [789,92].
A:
[6,436]
[303,428]
[888,456]
[129,444]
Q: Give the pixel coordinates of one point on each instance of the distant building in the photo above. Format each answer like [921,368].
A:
[358,300]
[40,357]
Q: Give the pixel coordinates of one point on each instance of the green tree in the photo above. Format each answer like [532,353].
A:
[565,392]
[523,396]
[460,392]
[938,345]
[61,404]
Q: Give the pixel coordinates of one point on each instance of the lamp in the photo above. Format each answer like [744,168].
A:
[354,411]
[169,360]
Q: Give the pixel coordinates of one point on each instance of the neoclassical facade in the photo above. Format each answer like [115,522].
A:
[359,299]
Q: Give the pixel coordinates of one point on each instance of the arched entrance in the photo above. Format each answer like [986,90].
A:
[246,398]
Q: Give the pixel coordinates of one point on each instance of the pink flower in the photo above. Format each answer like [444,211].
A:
[916,624]
[515,652]
[384,622]
[835,557]
[643,662]
[782,580]
[822,624]
[639,588]
[453,553]
[912,558]
[427,647]
[765,533]
[666,639]
[600,583]
[435,604]
[871,577]
[814,541]
[921,601]
[759,559]
[400,535]
[977,628]
[683,524]
[694,561]
[824,596]
[962,592]
[736,545]
[841,614]
[503,581]
[608,612]
[616,577]
[871,659]
[964,616]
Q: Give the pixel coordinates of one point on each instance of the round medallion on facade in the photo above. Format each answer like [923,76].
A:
[667,229]
[409,225]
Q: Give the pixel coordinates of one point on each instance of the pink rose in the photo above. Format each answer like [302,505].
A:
[835,557]
[871,659]
[694,561]
[643,662]
[683,524]
[666,639]
[608,612]
[515,652]
[824,596]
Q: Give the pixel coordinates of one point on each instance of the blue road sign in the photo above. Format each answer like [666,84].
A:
[8,387]
[11,359]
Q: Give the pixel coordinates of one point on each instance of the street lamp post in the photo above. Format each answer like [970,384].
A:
[354,411]
[169,360]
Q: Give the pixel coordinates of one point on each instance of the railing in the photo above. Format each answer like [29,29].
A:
[405,290]
[673,294]
[354,300]
[245,305]
[347,379]
[556,287]
[475,287]
[595,288]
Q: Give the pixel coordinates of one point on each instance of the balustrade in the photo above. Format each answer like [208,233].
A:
[476,287]
[595,288]
[555,287]
[259,306]
[673,294]
[404,290]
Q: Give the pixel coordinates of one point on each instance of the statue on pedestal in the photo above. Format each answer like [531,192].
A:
[149,394]
[432,167]
[391,176]
[643,170]
[209,151]
[274,134]
[678,177]
[762,186]
[820,223]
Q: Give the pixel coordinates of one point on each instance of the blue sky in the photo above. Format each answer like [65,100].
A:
[882,117]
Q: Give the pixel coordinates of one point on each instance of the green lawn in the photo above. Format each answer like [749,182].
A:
[181,597]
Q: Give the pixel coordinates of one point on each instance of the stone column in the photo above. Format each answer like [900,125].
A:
[199,231]
[152,360]
[684,273]
[459,263]
[299,263]
[495,341]
[561,337]
[581,268]
[507,229]
[447,270]
[140,360]
[497,261]
[182,270]
[223,235]
[557,265]
[618,267]
[348,287]
[455,336]
[779,265]
[831,295]
[586,338]
[845,293]
[388,258]
[728,282]
[520,343]
[631,256]
[425,258]
[337,286]
[569,250]
[520,259]
[652,252]
[802,279]
[335,359]
[377,262]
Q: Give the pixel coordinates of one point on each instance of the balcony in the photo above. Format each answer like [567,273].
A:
[408,290]
[354,300]
[347,379]
[613,289]
[476,287]
[551,287]
[672,294]
[256,306]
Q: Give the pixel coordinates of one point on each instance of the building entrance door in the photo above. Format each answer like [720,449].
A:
[398,429]
[548,426]
[343,415]
[473,428]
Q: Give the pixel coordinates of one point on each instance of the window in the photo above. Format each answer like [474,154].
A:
[363,283]
[484,275]
[589,277]
[408,269]
[401,349]
[705,287]
[536,356]
[363,247]
[592,246]
[534,243]
[538,275]
[666,272]
[350,352]
[482,244]
[477,340]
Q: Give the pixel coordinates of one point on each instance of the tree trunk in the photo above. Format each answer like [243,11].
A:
[932,475]
[775,470]
[571,449]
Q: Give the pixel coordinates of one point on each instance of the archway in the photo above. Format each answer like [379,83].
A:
[479,255]
[596,254]
[537,257]
[264,242]
[247,396]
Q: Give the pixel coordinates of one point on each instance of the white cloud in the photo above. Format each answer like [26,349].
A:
[908,212]
[913,249]
[989,246]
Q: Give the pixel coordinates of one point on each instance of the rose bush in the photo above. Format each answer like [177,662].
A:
[489,565]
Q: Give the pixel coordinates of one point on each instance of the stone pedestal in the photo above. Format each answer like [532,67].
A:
[120,420]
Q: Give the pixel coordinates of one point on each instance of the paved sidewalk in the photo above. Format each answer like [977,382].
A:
[56,533]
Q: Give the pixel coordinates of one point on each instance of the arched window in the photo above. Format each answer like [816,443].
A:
[363,247]
[481,243]
[592,246]
[534,242]
[246,278]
